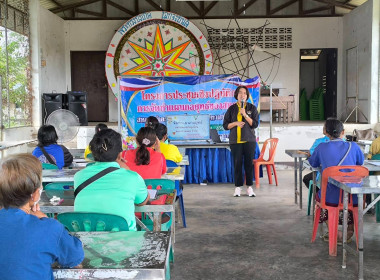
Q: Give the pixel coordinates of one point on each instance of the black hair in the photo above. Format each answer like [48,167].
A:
[146,137]
[100,126]
[334,127]
[151,122]
[47,135]
[161,131]
[237,91]
[106,145]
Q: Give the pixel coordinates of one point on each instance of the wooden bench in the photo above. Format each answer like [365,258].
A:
[281,105]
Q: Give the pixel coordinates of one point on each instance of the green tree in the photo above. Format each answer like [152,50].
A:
[17,49]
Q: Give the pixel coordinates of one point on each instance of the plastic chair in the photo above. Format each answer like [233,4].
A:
[170,163]
[60,186]
[333,211]
[272,142]
[87,221]
[165,185]
[49,166]
[377,206]
[310,195]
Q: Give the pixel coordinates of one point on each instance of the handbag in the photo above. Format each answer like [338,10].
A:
[366,134]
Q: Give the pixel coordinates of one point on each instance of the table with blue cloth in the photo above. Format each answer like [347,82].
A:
[212,163]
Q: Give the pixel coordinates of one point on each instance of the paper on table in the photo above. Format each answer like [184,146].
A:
[377,162]
[152,193]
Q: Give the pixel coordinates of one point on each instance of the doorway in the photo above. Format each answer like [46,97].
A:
[88,74]
[318,83]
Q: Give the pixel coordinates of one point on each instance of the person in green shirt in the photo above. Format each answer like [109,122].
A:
[118,191]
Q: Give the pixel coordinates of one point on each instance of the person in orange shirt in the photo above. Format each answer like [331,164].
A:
[147,160]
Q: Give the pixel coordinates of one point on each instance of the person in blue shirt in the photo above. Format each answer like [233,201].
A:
[47,140]
[331,154]
[308,177]
[30,242]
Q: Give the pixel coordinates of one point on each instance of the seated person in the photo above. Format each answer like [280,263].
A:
[48,151]
[333,153]
[87,153]
[169,151]
[149,163]
[30,242]
[308,177]
[116,192]
[375,148]
[151,122]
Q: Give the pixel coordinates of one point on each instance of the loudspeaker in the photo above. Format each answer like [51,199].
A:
[77,103]
[52,102]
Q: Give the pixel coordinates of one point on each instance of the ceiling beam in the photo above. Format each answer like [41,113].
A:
[89,13]
[137,7]
[283,6]
[195,8]
[121,8]
[210,6]
[153,4]
[202,8]
[338,4]
[68,7]
[55,2]
[315,10]
[104,8]
[246,6]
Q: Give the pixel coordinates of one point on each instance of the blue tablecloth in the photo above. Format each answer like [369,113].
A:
[214,165]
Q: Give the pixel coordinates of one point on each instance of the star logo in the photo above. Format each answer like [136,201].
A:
[158,58]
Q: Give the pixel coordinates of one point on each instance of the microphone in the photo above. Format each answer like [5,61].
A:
[242,104]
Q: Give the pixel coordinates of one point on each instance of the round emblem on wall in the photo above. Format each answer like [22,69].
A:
[157,44]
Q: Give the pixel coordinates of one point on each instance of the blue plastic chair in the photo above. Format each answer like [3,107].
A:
[165,185]
[310,196]
[87,221]
[170,163]
[49,166]
[57,186]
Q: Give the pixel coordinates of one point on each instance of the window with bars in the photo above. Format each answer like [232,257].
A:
[236,38]
[15,89]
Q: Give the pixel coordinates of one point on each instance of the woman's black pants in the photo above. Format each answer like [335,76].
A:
[243,151]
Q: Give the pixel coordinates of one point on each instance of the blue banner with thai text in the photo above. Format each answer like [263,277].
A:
[142,97]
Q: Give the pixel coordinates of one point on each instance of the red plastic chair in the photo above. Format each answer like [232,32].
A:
[272,142]
[333,212]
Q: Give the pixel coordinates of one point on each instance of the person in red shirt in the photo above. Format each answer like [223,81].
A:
[147,160]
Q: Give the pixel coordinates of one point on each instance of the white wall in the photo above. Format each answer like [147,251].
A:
[52,53]
[361,30]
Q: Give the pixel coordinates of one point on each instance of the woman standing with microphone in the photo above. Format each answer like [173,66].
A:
[241,119]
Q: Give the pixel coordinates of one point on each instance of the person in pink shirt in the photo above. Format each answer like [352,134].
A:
[146,159]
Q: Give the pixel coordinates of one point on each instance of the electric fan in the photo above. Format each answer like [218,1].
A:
[66,124]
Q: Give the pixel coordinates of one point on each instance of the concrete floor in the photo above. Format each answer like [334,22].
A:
[266,237]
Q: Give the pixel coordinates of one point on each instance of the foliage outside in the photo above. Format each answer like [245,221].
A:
[17,109]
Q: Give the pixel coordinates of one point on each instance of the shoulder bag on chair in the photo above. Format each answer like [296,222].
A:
[93,179]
